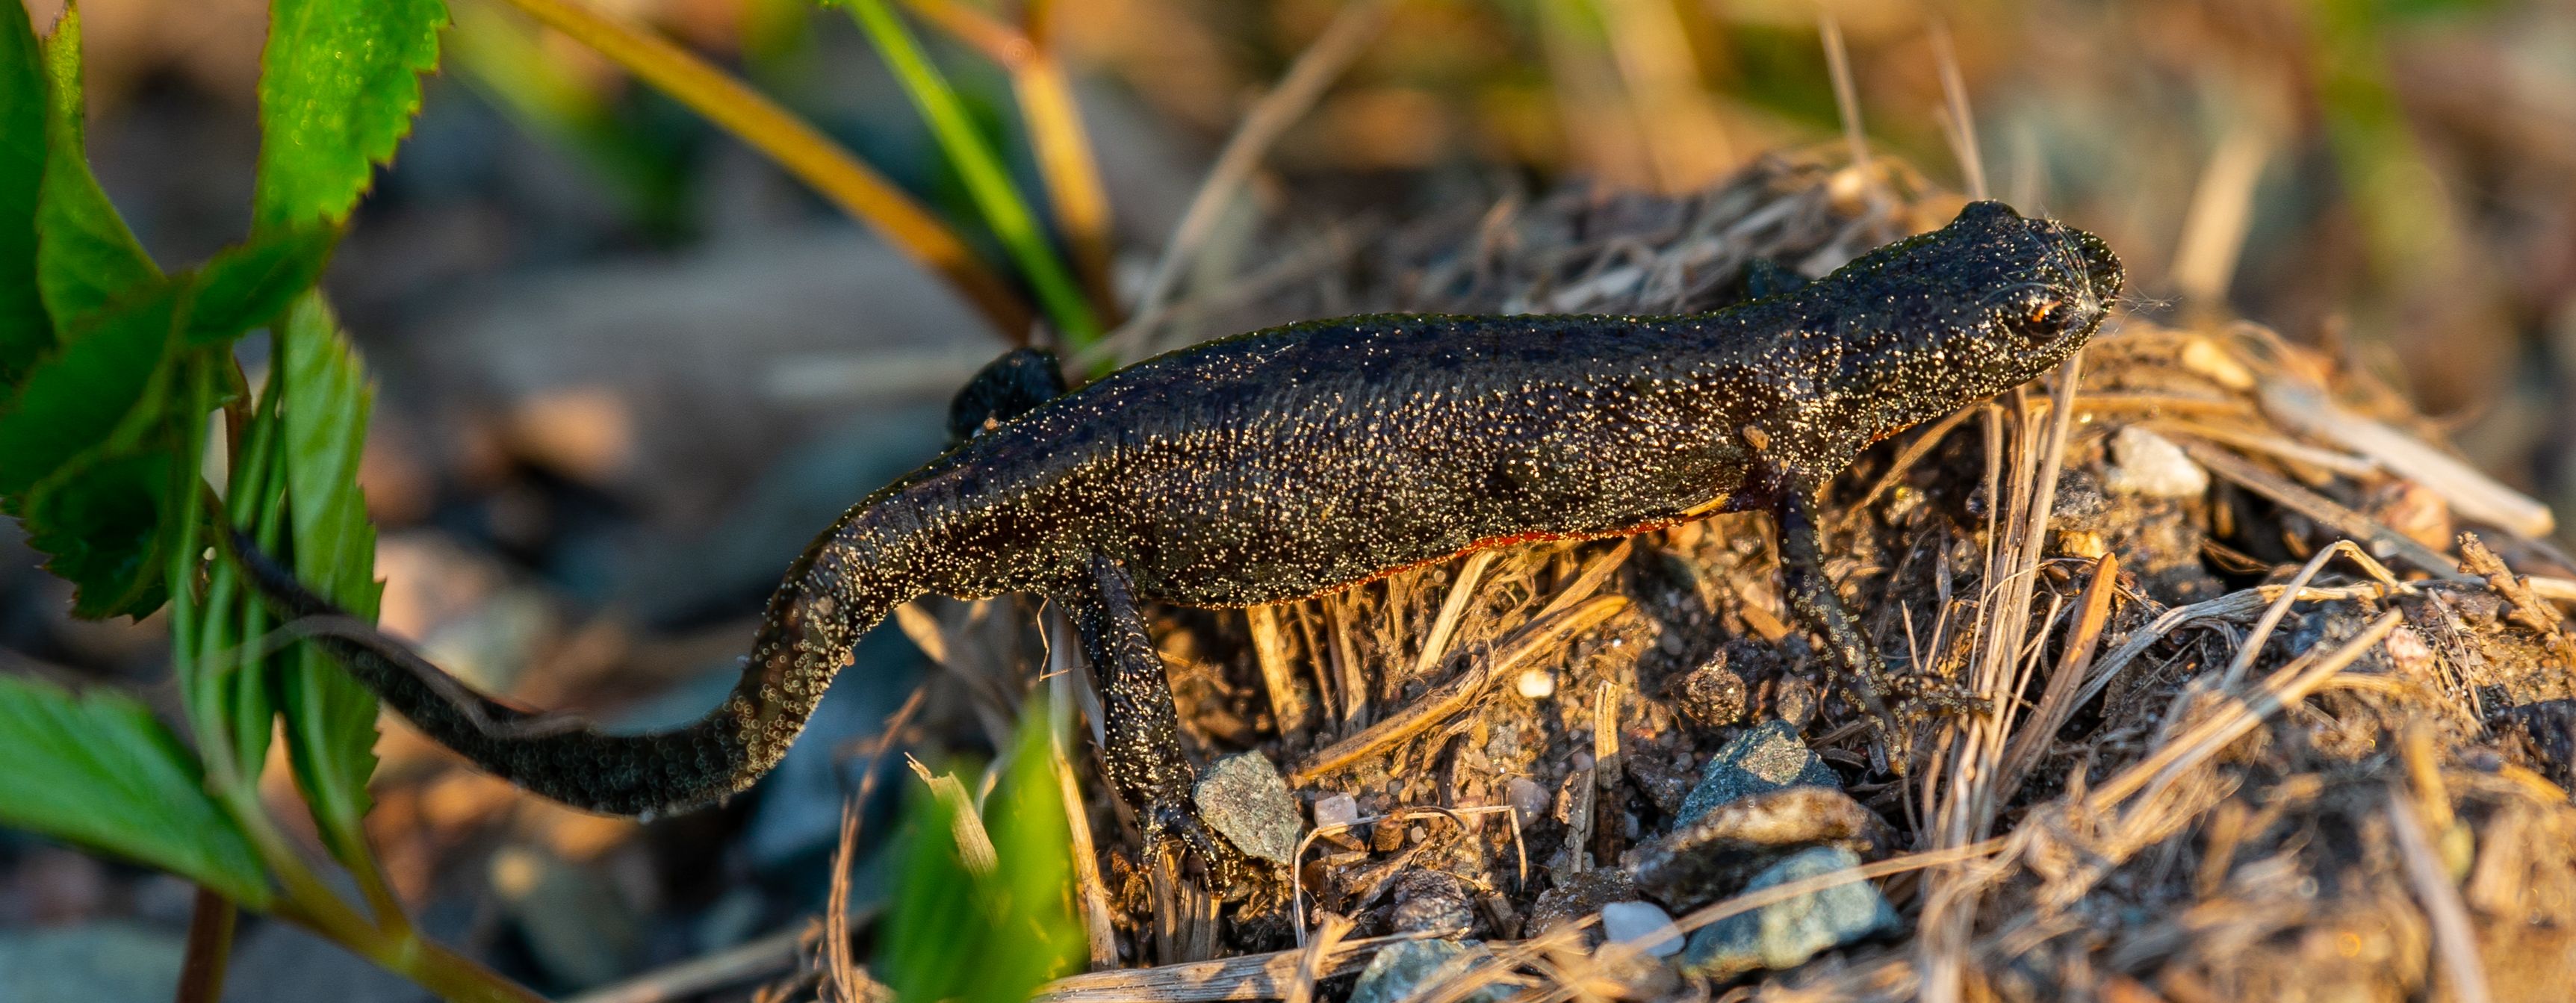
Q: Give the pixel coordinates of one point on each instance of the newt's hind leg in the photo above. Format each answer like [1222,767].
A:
[1005,388]
[1141,733]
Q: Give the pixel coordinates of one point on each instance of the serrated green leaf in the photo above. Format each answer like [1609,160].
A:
[251,283]
[102,521]
[331,719]
[99,771]
[25,331]
[85,255]
[338,85]
[77,398]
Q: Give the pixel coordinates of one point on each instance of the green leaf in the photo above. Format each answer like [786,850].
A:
[25,331]
[107,522]
[97,770]
[338,85]
[251,283]
[993,937]
[97,384]
[85,256]
[330,719]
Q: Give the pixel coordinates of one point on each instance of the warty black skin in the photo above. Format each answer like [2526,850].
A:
[1298,460]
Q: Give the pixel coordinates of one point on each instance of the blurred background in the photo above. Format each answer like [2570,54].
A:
[628,367]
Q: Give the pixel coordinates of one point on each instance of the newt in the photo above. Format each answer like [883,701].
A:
[1294,461]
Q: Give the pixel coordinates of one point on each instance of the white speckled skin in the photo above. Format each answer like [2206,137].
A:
[1297,460]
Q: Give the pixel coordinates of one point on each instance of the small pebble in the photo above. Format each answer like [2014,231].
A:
[1786,934]
[1712,695]
[1767,757]
[1643,924]
[1794,699]
[1244,798]
[1528,799]
[2144,463]
[1537,684]
[1398,969]
[1430,901]
[1336,809]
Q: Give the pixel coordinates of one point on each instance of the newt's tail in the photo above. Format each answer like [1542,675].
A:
[844,584]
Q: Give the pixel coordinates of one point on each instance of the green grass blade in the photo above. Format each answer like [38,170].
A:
[986,181]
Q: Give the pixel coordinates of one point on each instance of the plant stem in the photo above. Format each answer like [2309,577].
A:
[986,180]
[793,145]
[210,945]
[1056,137]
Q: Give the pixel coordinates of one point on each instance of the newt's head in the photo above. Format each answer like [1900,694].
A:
[1934,322]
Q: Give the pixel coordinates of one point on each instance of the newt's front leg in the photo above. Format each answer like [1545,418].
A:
[1811,595]
[1141,730]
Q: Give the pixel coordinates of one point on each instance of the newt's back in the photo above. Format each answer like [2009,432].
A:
[1289,461]
[1294,460]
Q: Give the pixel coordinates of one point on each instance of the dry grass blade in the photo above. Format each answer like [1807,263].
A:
[1959,120]
[1250,977]
[2288,686]
[2213,229]
[1318,957]
[1057,140]
[795,146]
[1100,931]
[2455,940]
[2057,702]
[2252,646]
[2468,490]
[1436,643]
[1278,678]
[1457,693]
[2319,507]
[1846,96]
[974,844]
[757,958]
[1315,69]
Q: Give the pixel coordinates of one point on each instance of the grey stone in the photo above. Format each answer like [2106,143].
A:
[2144,463]
[1401,968]
[1643,924]
[1245,800]
[1767,757]
[102,962]
[1712,856]
[1786,934]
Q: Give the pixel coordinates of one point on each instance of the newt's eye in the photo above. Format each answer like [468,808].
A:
[2044,320]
